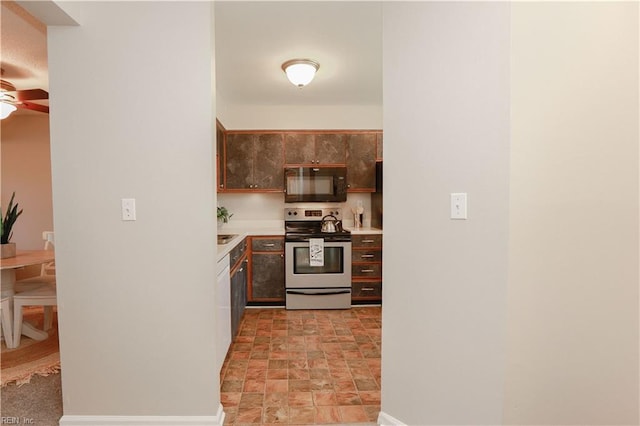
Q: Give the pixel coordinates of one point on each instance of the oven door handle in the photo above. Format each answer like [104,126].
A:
[318,293]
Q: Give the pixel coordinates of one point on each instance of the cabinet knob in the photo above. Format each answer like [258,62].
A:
[221,186]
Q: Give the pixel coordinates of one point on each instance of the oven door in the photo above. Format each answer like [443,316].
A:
[335,273]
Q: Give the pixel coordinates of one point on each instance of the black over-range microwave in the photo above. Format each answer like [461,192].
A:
[315,184]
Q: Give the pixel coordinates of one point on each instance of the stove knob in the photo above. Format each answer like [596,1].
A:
[295,213]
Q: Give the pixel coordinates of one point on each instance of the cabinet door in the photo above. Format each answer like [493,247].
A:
[299,148]
[361,162]
[268,172]
[239,161]
[267,271]
[219,155]
[238,297]
[330,149]
[236,279]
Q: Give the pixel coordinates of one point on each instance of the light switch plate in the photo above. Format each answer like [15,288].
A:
[458,205]
[128,209]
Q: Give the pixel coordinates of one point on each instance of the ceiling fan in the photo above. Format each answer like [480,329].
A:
[10,99]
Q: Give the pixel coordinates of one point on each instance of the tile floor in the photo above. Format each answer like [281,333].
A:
[303,367]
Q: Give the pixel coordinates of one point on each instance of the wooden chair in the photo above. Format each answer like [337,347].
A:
[42,296]
[5,318]
[47,270]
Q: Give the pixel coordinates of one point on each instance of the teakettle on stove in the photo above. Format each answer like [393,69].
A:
[330,225]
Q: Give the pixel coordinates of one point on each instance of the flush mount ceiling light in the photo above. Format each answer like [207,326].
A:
[300,72]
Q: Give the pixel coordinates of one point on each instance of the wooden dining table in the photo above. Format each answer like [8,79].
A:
[8,269]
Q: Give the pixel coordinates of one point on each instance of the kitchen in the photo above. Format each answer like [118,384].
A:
[342,139]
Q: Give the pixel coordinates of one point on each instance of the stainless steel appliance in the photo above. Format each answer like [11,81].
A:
[315,184]
[317,263]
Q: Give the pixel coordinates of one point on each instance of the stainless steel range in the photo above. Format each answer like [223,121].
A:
[317,259]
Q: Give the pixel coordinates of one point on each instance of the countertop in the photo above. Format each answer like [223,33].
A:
[242,232]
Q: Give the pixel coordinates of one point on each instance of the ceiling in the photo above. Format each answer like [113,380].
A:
[253,39]
[23,43]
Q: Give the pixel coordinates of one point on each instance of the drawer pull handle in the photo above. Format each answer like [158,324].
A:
[367,289]
[367,241]
[367,270]
[366,256]
[269,245]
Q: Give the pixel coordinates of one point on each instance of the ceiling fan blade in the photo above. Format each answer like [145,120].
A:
[28,95]
[33,107]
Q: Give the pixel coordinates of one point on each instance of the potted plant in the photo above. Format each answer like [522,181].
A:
[8,249]
[223,215]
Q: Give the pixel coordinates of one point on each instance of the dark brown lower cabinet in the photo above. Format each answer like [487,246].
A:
[238,295]
[267,270]
[366,268]
[239,272]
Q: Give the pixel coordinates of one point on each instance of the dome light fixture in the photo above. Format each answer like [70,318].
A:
[300,72]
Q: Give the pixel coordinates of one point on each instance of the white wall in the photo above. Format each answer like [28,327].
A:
[26,169]
[270,207]
[573,289]
[136,299]
[445,281]
[299,117]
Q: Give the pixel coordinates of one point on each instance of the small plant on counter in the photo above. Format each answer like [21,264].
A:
[224,215]
[9,219]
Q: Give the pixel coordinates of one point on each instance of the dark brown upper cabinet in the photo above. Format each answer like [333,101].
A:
[314,148]
[254,162]
[220,135]
[361,162]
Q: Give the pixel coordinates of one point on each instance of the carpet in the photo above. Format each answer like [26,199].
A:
[32,357]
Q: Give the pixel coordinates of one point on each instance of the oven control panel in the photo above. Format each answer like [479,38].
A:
[310,213]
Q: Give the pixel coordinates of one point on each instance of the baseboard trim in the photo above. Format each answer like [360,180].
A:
[385,419]
[217,420]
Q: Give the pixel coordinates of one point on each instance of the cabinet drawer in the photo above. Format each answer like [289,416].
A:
[267,244]
[366,255]
[373,289]
[366,270]
[366,240]
[237,252]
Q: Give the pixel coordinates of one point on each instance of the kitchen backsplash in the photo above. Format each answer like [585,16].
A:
[267,207]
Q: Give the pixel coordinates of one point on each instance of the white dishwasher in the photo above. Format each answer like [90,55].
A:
[223,296]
